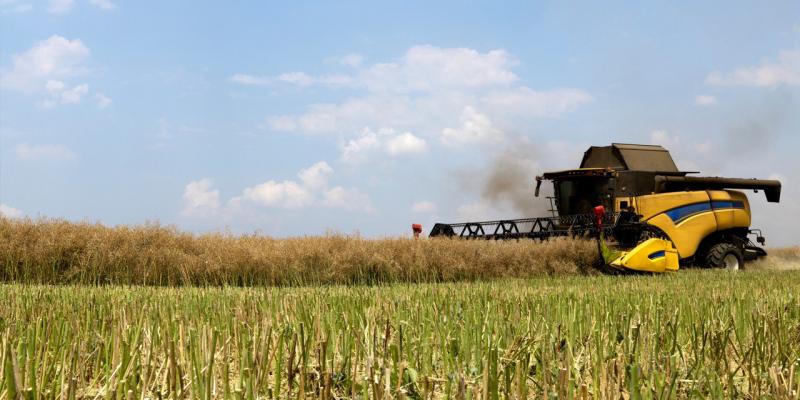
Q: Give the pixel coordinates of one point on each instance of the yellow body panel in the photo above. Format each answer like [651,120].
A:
[688,234]
[686,218]
[649,206]
[652,255]
[731,217]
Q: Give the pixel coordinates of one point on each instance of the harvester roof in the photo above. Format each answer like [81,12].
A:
[630,157]
[645,169]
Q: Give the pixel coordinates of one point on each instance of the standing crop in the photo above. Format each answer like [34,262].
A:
[707,334]
[59,252]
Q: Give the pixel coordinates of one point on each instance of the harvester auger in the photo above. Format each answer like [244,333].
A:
[646,214]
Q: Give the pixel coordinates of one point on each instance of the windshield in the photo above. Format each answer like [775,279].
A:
[580,196]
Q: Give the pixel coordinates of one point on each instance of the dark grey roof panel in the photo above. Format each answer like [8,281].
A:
[632,157]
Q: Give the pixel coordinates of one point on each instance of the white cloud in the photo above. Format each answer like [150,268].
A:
[59,94]
[103,101]
[14,7]
[199,199]
[312,189]
[60,6]
[335,80]
[296,78]
[531,103]
[475,128]
[429,113]
[53,59]
[103,4]
[696,148]
[10,212]
[54,86]
[352,60]
[784,71]
[705,100]
[316,176]
[45,70]
[286,194]
[702,147]
[423,206]
[385,142]
[348,199]
[405,143]
[74,95]
[453,95]
[251,79]
[663,138]
[349,116]
[282,123]
[415,104]
[428,68]
[25,151]
[358,149]
[674,144]
[422,68]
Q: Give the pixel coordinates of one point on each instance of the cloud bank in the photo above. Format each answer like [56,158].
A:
[451,96]
[311,189]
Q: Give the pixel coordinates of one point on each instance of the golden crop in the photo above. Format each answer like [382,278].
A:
[57,251]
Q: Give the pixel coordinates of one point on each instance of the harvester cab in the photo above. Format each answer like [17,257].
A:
[654,217]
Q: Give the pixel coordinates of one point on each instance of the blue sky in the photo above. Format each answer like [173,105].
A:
[301,118]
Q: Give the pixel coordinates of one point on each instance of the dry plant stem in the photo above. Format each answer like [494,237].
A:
[697,334]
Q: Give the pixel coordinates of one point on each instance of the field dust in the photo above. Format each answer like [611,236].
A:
[786,258]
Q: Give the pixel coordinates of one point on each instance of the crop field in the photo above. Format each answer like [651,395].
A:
[89,312]
[59,252]
[708,334]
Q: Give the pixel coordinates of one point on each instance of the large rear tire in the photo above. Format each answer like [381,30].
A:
[725,256]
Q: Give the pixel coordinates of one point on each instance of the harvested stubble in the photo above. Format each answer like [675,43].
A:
[697,334]
[56,251]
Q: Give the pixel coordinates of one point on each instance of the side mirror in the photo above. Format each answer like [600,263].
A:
[538,185]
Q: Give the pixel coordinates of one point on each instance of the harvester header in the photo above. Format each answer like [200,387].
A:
[649,206]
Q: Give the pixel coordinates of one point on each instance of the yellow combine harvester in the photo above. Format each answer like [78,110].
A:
[712,223]
[646,214]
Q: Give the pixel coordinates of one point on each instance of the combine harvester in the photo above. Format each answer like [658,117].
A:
[654,217]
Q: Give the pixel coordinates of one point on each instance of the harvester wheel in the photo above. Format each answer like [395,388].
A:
[725,255]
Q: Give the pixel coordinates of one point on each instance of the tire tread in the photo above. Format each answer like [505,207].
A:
[717,253]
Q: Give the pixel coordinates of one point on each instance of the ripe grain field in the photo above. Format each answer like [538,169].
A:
[694,334]
[58,252]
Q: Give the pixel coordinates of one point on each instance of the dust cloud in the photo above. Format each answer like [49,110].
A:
[758,127]
[782,258]
[509,181]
